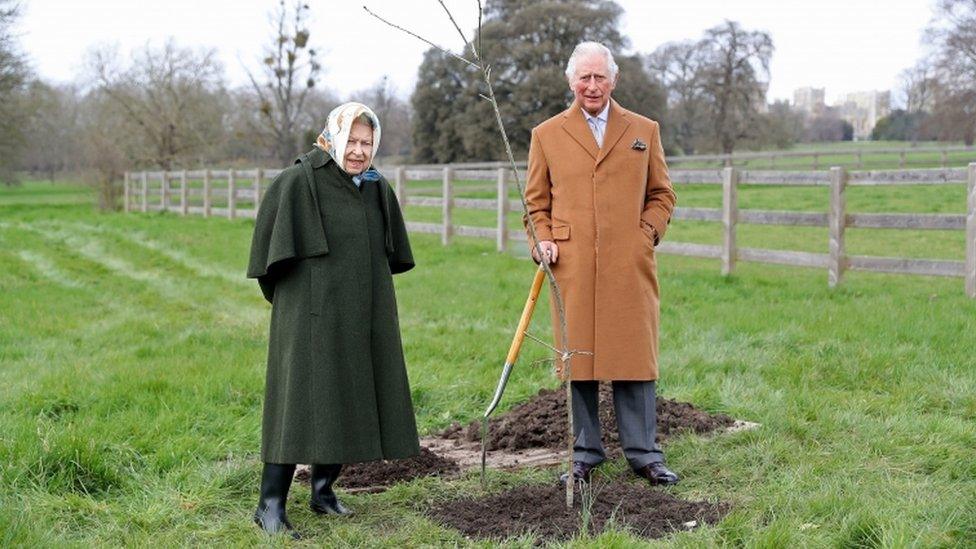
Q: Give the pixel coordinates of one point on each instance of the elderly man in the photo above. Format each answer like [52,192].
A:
[600,199]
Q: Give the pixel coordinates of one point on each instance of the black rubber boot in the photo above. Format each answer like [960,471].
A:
[324,500]
[270,515]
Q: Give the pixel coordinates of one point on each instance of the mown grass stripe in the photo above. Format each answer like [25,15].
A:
[143,240]
[166,287]
[44,266]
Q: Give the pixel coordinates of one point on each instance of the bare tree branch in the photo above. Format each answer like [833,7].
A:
[543,343]
[422,39]
[481,11]
[464,39]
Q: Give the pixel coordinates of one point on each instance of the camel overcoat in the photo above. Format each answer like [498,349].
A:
[602,207]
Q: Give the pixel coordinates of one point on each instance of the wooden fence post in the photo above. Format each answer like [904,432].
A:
[837,221]
[164,192]
[447,205]
[502,210]
[206,193]
[126,192]
[730,207]
[816,161]
[145,192]
[184,202]
[945,158]
[971,233]
[860,160]
[258,175]
[231,194]
[901,159]
[401,187]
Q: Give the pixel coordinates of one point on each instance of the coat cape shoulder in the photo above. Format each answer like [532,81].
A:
[289,225]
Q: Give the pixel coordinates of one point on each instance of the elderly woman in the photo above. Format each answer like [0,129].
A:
[328,236]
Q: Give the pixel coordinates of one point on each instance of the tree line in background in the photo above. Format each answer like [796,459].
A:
[527,43]
[709,94]
[170,107]
[940,89]
[14,75]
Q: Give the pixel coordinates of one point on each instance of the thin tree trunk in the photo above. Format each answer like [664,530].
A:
[565,353]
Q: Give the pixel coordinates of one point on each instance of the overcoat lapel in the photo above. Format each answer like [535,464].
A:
[576,126]
[617,124]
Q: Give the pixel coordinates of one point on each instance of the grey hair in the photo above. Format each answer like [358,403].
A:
[366,119]
[584,49]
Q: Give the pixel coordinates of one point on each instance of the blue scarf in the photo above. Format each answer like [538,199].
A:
[368,175]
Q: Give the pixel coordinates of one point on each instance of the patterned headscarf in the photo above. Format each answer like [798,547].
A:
[334,137]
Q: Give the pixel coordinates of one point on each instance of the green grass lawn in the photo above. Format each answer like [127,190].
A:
[869,161]
[844,153]
[46,192]
[872,145]
[132,364]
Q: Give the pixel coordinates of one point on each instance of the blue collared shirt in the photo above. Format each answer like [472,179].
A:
[598,123]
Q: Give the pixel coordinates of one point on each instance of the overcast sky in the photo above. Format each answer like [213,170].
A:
[840,45]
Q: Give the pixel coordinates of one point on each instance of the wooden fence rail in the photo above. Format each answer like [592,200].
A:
[238,193]
[817,159]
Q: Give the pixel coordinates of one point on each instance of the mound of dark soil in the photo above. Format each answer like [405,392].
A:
[540,422]
[387,473]
[541,511]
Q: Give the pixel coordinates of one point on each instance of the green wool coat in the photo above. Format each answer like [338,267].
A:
[323,253]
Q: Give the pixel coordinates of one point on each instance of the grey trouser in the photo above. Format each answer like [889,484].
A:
[634,404]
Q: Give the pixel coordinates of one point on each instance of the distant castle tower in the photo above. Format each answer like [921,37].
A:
[809,100]
[864,109]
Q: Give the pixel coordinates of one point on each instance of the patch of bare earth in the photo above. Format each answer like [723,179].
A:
[374,476]
[541,511]
[533,434]
[541,423]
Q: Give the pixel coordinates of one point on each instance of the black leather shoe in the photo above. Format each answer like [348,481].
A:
[581,472]
[324,500]
[270,514]
[657,474]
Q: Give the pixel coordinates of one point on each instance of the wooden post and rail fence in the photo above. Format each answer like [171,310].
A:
[919,156]
[237,193]
[818,159]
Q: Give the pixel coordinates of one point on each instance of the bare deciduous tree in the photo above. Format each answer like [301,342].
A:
[13,76]
[105,152]
[953,33]
[678,66]
[735,75]
[780,127]
[717,89]
[918,85]
[289,70]
[174,96]
[53,125]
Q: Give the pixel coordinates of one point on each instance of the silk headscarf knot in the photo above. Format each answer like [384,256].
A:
[335,136]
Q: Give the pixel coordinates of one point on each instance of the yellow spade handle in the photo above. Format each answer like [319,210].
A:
[513,351]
